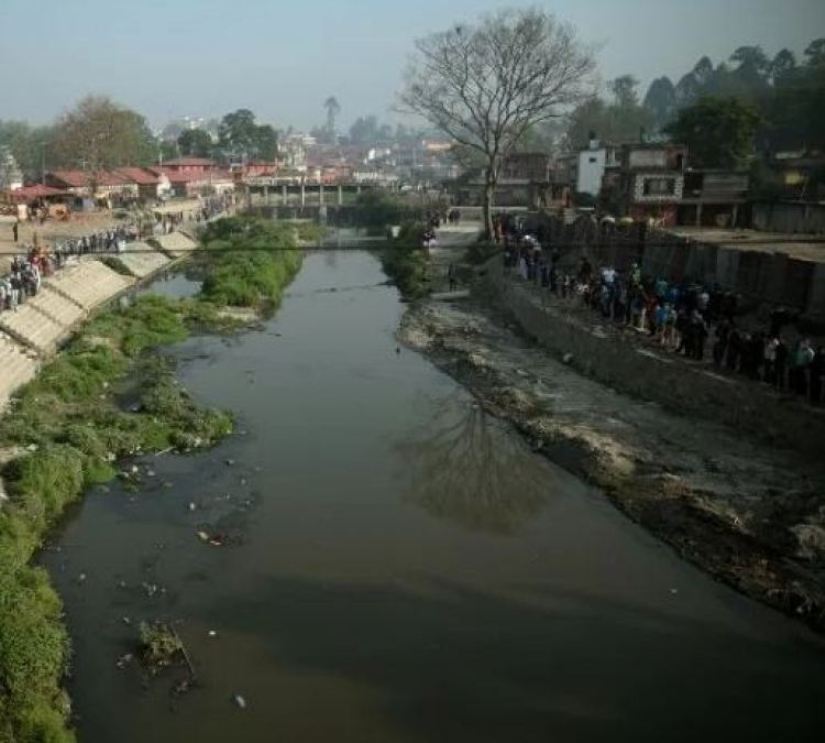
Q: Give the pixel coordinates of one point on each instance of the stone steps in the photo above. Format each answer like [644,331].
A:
[176,244]
[142,259]
[33,328]
[89,284]
[56,307]
[17,367]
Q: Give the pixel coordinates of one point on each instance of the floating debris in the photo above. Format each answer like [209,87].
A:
[182,687]
[240,701]
[124,661]
[160,646]
[149,588]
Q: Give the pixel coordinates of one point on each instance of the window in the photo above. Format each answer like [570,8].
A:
[592,160]
[659,186]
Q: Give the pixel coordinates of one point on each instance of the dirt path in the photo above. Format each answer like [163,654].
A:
[750,515]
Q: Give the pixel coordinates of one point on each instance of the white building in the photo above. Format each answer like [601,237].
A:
[591,165]
[11,177]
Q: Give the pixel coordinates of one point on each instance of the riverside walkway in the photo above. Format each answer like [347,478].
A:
[45,322]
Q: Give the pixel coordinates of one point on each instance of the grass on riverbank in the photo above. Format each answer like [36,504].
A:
[407,263]
[251,262]
[72,427]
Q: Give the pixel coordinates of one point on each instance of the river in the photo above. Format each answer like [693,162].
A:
[398,567]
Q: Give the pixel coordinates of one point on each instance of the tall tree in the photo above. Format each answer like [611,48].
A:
[364,130]
[99,134]
[31,147]
[485,85]
[333,108]
[660,101]
[195,143]
[719,132]
[239,135]
[703,72]
[624,91]
[815,53]
[783,67]
[620,120]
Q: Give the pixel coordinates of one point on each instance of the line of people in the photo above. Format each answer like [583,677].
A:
[682,317]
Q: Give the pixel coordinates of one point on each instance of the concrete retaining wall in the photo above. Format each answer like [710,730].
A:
[89,284]
[681,387]
[17,367]
[32,328]
[143,260]
[176,244]
[804,218]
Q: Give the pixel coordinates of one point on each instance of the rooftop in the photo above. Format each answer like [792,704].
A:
[802,247]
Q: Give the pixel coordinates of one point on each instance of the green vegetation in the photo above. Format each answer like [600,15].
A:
[407,263]
[376,210]
[719,132]
[71,426]
[251,261]
[160,645]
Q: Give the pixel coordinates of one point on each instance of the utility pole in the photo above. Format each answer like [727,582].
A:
[42,163]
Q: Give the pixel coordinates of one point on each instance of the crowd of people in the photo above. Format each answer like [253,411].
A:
[687,318]
[37,262]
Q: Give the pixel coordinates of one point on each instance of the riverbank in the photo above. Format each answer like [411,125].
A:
[108,396]
[749,514]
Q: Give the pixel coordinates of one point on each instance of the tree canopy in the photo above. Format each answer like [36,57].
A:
[240,135]
[621,119]
[99,134]
[788,94]
[195,143]
[719,132]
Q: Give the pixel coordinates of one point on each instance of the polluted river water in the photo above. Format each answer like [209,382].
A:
[397,566]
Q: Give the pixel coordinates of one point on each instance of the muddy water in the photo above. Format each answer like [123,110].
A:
[399,567]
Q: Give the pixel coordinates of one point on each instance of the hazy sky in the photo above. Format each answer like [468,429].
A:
[168,58]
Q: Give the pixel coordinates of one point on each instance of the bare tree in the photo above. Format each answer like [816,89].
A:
[485,85]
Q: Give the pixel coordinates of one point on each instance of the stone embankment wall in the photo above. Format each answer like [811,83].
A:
[45,322]
[685,388]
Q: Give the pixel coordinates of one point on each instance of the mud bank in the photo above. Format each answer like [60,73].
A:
[749,514]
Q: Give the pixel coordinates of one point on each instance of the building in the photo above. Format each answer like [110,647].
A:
[798,174]
[375,177]
[189,165]
[647,184]
[101,185]
[151,184]
[712,198]
[589,166]
[11,177]
[197,182]
[523,181]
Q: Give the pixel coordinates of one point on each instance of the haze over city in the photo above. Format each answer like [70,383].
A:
[174,58]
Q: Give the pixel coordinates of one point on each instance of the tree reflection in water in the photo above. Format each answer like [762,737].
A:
[467,467]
